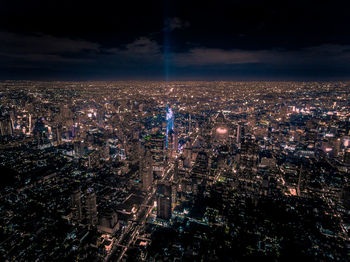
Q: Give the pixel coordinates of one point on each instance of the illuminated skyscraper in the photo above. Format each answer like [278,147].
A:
[169,123]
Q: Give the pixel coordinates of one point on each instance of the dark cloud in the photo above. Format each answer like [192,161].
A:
[144,55]
[42,51]
[45,49]
[182,38]
[324,54]
[13,43]
[143,46]
[174,23]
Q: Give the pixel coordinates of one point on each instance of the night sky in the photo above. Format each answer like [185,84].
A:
[175,40]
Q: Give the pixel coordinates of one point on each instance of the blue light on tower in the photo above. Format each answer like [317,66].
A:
[169,123]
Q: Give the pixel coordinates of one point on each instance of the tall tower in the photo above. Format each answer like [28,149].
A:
[30,124]
[249,155]
[58,135]
[238,138]
[10,127]
[300,181]
[91,207]
[176,169]
[164,201]
[173,195]
[176,141]
[2,128]
[187,155]
[172,144]
[169,124]
[156,145]
[76,203]
[146,171]
[78,148]
[12,117]
[345,196]
[347,157]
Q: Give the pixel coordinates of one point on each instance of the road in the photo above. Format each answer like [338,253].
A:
[136,225]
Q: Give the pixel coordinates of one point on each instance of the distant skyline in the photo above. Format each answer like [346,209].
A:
[175,40]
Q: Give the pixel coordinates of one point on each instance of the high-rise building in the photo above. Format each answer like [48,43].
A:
[176,169]
[78,148]
[58,135]
[200,168]
[91,207]
[173,195]
[12,119]
[176,141]
[2,128]
[76,203]
[172,144]
[336,145]
[105,151]
[146,171]
[187,154]
[40,130]
[238,135]
[135,152]
[249,155]
[169,124]
[345,196]
[347,157]
[108,221]
[6,127]
[30,124]
[65,112]
[156,145]
[164,201]
[301,181]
